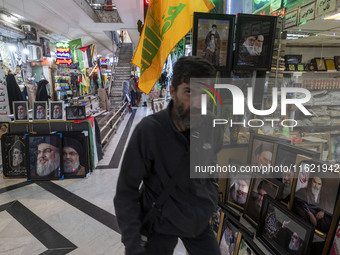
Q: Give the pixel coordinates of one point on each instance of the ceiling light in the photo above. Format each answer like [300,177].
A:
[25,51]
[12,48]
[333,17]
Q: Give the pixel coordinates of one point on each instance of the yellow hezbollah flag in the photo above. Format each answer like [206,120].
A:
[166,23]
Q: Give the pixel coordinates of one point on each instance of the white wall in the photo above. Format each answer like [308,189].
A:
[313,52]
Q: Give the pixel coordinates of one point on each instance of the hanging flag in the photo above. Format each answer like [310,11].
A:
[88,53]
[166,23]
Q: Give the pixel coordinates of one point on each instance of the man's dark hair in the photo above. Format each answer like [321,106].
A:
[214,25]
[191,67]
[264,185]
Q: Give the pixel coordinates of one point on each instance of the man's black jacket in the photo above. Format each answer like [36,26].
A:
[156,146]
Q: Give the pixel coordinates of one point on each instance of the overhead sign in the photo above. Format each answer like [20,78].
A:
[307,13]
[324,7]
[104,61]
[291,18]
[64,55]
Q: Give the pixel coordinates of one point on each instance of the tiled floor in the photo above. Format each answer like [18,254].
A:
[73,216]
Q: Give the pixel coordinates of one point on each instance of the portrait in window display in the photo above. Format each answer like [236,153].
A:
[315,197]
[44,157]
[20,111]
[262,153]
[75,155]
[13,155]
[3,128]
[39,110]
[56,111]
[75,113]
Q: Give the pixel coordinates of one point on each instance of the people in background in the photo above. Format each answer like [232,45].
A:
[133,90]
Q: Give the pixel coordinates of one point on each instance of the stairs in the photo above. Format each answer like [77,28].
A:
[122,73]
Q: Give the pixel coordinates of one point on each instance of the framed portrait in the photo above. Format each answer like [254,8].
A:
[4,128]
[281,231]
[20,109]
[40,110]
[13,151]
[254,42]
[75,113]
[320,64]
[229,235]
[316,195]
[213,38]
[246,246]
[75,155]
[262,148]
[260,186]
[286,155]
[44,157]
[311,67]
[337,62]
[300,67]
[217,222]
[291,67]
[56,110]
[237,186]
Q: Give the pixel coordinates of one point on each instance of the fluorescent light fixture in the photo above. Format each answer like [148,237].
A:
[25,51]
[335,16]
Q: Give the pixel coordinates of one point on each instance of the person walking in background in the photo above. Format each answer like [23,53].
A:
[126,97]
[13,91]
[133,90]
[156,154]
[42,94]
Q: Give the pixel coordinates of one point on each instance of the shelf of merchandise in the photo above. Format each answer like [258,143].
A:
[62,86]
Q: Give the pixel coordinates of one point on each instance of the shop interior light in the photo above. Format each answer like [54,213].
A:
[12,48]
[333,17]
[25,51]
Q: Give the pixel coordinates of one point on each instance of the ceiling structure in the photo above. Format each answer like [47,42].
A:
[72,19]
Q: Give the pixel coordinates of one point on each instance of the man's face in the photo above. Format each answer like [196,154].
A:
[17,157]
[213,29]
[3,129]
[259,199]
[56,111]
[316,185]
[259,41]
[264,158]
[40,112]
[294,242]
[48,159]
[250,40]
[21,112]
[287,179]
[181,99]
[241,191]
[71,159]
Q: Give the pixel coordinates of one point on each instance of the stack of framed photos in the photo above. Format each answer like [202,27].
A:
[289,207]
[46,157]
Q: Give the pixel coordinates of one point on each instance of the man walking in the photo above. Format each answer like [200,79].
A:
[158,156]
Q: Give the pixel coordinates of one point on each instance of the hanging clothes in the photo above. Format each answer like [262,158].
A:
[42,94]
[13,91]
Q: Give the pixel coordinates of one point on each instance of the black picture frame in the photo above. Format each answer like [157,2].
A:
[48,150]
[231,228]
[260,186]
[311,67]
[75,155]
[221,56]
[237,186]
[40,110]
[327,203]
[20,109]
[337,62]
[45,46]
[293,59]
[13,149]
[56,110]
[251,31]
[75,113]
[281,231]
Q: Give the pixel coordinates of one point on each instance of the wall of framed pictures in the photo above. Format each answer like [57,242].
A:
[293,211]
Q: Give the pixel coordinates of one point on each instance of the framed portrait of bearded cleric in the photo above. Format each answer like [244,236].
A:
[13,155]
[260,186]
[213,38]
[56,110]
[44,157]
[20,109]
[316,196]
[254,42]
[281,231]
[39,110]
[75,155]
[237,185]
